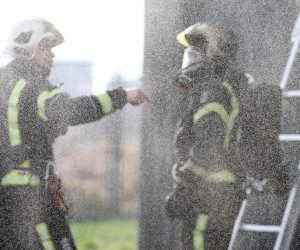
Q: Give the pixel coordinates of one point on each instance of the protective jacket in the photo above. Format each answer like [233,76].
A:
[33,113]
[207,134]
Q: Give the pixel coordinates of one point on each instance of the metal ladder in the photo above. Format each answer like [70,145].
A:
[292,210]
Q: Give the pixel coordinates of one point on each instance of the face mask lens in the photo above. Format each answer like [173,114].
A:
[192,55]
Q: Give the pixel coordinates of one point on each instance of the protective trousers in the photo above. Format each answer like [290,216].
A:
[211,225]
[30,221]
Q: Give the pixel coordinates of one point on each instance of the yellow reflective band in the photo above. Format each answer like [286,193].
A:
[19,178]
[181,38]
[13,114]
[45,237]
[106,103]
[209,108]
[222,176]
[234,114]
[42,99]
[25,164]
[198,233]
[227,118]
[201,222]
[197,170]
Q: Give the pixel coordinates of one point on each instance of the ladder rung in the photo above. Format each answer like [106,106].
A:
[292,93]
[260,228]
[289,137]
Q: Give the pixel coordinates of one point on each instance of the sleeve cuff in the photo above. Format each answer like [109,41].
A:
[118,97]
[112,100]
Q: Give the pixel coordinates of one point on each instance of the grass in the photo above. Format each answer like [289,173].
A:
[112,234]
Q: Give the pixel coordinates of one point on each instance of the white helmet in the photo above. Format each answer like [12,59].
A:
[26,35]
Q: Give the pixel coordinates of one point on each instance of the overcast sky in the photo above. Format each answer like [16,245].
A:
[110,33]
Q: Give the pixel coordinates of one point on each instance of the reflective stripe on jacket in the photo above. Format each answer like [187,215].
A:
[229,118]
[34,113]
[220,176]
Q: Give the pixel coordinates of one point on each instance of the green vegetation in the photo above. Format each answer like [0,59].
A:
[113,234]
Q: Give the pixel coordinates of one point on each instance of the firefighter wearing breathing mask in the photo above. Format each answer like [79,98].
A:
[207,176]
[33,113]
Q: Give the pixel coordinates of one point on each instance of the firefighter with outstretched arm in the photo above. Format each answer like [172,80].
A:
[33,113]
